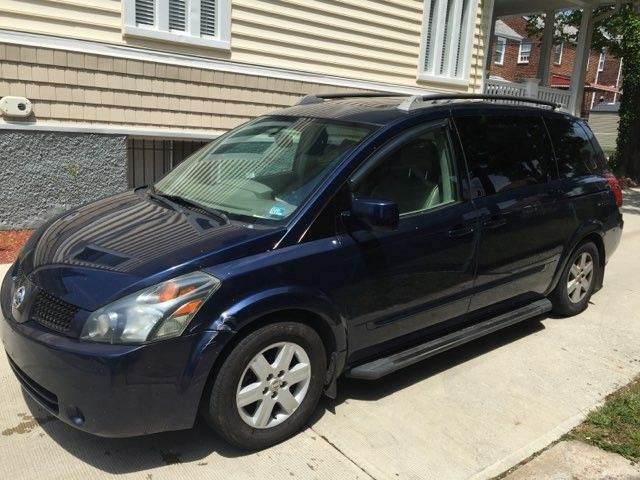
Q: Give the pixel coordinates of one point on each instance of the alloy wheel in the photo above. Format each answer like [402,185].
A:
[580,277]
[273,385]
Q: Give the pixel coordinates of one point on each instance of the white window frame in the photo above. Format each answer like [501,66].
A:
[500,59]
[601,62]
[160,31]
[559,62]
[520,57]
[464,32]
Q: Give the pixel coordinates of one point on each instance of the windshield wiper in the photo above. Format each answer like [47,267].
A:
[176,200]
[151,192]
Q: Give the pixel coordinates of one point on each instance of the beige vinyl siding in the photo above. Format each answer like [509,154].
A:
[364,40]
[83,88]
[605,128]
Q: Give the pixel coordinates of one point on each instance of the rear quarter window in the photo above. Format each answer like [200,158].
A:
[577,152]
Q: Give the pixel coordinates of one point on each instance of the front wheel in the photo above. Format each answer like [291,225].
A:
[268,386]
[577,282]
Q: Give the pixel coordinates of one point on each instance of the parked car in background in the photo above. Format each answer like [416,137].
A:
[350,234]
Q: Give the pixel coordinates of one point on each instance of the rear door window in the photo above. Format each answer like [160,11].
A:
[505,152]
[575,148]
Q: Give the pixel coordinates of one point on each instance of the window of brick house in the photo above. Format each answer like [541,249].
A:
[601,62]
[524,55]
[501,47]
[558,50]
[204,23]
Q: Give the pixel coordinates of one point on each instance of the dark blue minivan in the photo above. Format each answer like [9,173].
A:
[349,234]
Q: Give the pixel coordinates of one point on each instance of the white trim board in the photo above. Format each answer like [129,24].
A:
[110,130]
[131,53]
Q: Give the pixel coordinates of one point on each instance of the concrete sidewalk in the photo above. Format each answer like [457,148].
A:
[576,461]
[470,413]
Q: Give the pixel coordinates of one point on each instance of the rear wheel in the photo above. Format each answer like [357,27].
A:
[268,386]
[573,292]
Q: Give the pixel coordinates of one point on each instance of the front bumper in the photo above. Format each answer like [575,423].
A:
[112,390]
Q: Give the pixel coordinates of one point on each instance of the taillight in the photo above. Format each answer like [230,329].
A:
[615,188]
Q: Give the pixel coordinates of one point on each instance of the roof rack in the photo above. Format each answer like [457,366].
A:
[420,101]
[321,97]
[414,102]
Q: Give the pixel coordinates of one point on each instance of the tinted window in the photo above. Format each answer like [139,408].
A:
[419,175]
[575,152]
[504,152]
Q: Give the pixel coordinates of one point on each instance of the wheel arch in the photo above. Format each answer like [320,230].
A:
[591,232]
[285,304]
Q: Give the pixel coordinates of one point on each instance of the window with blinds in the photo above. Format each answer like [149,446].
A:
[524,53]
[177,15]
[208,17]
[447,35]
[145,12]
[201,22]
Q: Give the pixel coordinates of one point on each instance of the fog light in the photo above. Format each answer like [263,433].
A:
[75,415]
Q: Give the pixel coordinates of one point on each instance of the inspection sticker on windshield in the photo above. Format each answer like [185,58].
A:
[277,212]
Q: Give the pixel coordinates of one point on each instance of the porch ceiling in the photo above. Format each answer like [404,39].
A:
[523,7]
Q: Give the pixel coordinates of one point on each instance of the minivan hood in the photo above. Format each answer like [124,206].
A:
[101,251]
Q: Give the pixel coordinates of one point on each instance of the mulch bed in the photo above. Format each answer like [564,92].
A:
[11,241]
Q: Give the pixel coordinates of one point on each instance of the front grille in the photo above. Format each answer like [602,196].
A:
[53,313]
[46,398]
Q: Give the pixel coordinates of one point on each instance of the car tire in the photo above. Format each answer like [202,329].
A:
[577,282]
[253,370]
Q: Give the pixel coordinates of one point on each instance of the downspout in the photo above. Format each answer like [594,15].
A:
[593,94]
[615,95]
[601,17]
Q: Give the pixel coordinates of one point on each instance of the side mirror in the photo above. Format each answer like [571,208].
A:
[375,213]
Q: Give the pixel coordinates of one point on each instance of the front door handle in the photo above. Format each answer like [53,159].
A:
[461,231]
[495,222]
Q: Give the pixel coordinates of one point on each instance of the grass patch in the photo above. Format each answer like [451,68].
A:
[615,426]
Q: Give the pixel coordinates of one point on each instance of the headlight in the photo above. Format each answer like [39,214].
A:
[155,313]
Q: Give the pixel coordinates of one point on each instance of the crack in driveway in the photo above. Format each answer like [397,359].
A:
[337,449]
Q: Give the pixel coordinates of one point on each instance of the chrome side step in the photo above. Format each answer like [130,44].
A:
[386,365]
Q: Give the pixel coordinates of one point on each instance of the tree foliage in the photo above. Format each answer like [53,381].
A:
[619,33]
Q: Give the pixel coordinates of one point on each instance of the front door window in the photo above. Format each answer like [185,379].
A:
[419,175]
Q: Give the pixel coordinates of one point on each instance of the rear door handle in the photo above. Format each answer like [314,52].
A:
[461,231]
[495,222]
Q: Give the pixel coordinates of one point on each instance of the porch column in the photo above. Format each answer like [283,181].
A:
[546,48]
[489,38]
[583,49]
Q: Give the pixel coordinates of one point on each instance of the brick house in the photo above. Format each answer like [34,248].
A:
[516,58]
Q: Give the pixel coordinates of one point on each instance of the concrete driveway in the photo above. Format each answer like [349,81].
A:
[470,413]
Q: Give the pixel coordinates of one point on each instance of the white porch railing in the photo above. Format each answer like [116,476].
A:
[529,89]
[555,95]
[496,87]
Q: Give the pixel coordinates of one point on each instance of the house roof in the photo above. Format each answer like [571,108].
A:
[505,31]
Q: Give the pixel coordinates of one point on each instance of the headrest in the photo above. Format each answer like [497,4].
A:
[319,144]
[418,154]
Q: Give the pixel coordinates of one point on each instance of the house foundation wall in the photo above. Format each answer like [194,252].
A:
[45,173]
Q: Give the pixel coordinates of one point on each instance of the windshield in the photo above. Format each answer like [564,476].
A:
[264,169]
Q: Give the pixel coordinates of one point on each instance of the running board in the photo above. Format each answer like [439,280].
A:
[386,365]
